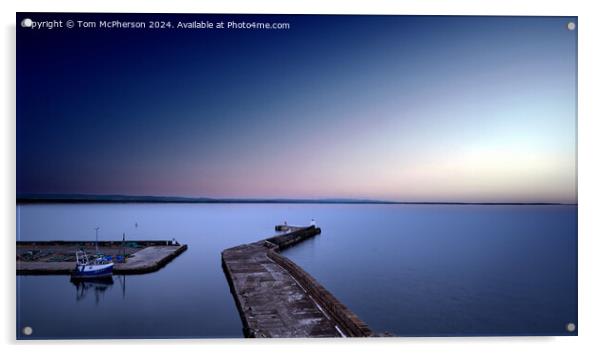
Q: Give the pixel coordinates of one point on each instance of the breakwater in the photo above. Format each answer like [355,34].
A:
[277,298]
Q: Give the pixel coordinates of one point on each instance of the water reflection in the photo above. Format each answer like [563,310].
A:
[97,287]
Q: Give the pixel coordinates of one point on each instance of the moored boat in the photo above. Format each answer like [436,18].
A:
[100,266]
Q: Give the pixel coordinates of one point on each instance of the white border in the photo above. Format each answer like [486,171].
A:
[590,176]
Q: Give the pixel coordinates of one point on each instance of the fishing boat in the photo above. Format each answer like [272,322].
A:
[99,266]
[96,267]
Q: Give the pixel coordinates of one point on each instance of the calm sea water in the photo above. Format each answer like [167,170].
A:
[406,269]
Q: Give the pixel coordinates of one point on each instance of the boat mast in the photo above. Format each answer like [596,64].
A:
[97,228]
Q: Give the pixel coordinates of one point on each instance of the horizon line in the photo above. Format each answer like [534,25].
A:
[83,198]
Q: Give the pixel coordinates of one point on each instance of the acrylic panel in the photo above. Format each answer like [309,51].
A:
[232,175]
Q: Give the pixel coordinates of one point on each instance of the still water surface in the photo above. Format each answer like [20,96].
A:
[406,269]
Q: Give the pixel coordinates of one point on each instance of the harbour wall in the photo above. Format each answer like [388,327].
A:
[239,261]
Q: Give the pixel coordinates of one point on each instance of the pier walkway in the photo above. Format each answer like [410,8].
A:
[277,298]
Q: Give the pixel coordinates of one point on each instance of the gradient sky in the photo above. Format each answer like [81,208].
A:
[397,108]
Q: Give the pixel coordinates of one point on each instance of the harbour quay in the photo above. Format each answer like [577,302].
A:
[132,257]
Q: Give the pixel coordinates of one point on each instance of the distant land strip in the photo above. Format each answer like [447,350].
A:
[89,198]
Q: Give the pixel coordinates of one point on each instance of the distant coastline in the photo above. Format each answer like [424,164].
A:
[90,198]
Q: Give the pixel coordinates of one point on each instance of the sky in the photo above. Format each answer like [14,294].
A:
[399,108]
